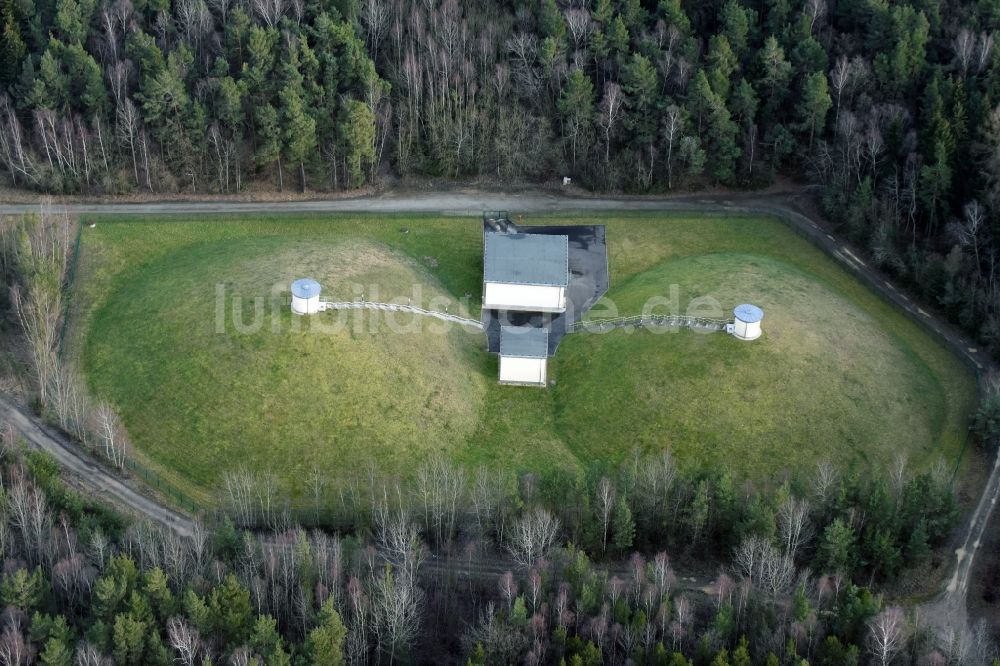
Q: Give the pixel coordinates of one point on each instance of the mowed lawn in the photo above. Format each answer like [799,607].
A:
[183,324]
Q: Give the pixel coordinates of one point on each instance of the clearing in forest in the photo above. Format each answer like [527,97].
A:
[838,373]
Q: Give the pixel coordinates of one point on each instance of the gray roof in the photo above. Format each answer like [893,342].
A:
[749,314]
[524,341]
[541,260]
[305,288]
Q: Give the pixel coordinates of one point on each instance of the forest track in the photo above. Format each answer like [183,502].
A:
[99,482]
[492,568]
[789,205]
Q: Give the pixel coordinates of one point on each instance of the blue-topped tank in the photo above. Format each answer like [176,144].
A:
[747,321]
[305,296]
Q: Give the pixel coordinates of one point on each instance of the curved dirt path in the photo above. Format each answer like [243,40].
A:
[791,206]
[97,480]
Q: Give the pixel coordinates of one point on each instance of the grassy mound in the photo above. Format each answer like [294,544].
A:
[825,378]
[271,390]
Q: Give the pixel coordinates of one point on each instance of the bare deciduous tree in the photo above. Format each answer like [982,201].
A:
[955,645]
[605,507]
[439,487]
[964,47]
[823,481]
[815,10]
[194,22]
[14,650]
[221,8]
[508,589]
[663,574]
[886,635]
[8,438]
[127,131]
[839,77]
[111,433]
[532,536]
[252,497]
[13,149]
[317,483]
[88,654]
[396,607]
[580,25]
[396,534]
[270,11]
[969,231]
[184,640]
[73,578]
[760,563]
[240,488]
[68,401]
[609,113]
[673,127]
[375,17]
[684,618]
[794,525]
[29,514]
[241,656]
[984,50]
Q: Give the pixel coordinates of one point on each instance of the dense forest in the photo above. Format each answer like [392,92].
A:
[424,583]
[892,108]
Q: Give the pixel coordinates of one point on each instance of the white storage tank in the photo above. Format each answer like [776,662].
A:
[747,321]
[305,296]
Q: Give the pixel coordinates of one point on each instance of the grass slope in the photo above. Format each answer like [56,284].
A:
[838,373]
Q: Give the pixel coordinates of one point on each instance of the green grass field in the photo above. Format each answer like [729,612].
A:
[838,373]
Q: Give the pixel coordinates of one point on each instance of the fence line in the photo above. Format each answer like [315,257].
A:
[663,321]
[70,288]
[399,307]
[166,487]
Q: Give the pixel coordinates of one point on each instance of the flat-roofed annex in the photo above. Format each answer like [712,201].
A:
[524,341]
[524,354]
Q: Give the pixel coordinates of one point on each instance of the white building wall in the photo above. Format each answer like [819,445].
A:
[305,305]
[523,297]
[515,370]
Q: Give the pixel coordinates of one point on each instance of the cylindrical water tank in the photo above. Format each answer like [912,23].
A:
[747,321]
[305,296]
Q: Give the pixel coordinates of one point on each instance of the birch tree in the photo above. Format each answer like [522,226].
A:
[111,433]
[605,508]
[794,525]
[184,640]
[396,606]
[886,635]
[673,128]
[609,114]
[532,536]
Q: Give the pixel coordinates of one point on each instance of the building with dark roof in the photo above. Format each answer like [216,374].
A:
[525,272]
[537,277]
[524,353]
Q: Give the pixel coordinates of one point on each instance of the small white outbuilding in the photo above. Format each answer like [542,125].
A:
[746,324]
[305,296]
[524,355]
